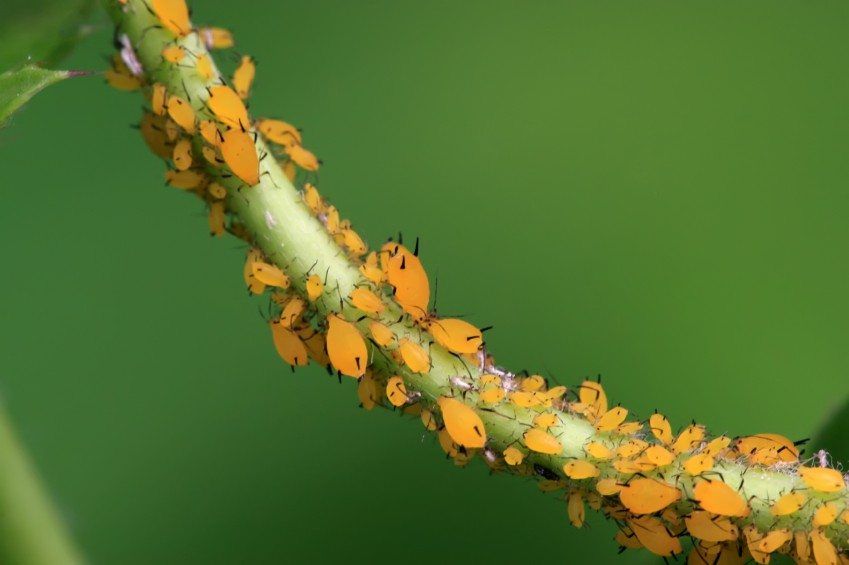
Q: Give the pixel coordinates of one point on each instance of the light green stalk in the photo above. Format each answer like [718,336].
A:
[290,236]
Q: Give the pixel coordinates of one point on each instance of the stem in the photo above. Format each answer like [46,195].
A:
[31,531]
[287,232]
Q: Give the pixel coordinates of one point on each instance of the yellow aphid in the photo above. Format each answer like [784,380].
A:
[788,504]
[204,67]
[661,428]
[631,448]
[492,395]
[173,54]
[184,179]
[210,133]
[396,392]
[292,312]
[654,536]
[301,157]
[429,421]
[404,271]
[647,496]
[182,113]
[367,301]
[354,242]
[315,287]
[279,132]
[173,14]
[463,424]
[182,155]
[592,394]
[371,271]
[513,456]
[237,148]
[313,200]
[228,107]
[269,274]
[698,464]
[212,156]
[172,130]
[415,357]
[316,344]
[608,487]
[689,438]
[290,170]
[629,428]
[767,449]
[823,550]
[545,420]
[706,527]
[629,467]
[611,419]
[289,346]
[331,220]
[825,515]
[579,469]
[598,451]
[526,399]
[719,498]
[532,383]
[152,128]
[457,336]
[381,334]
[822,479]
[753,538]
[254,285]
[575,508]
[369,391]
[158,95]
[122,81]
[802,545]
[659,455]
[555,392]
[627,540]
[346,347]
[216,218]
[717,445]
[490,379]
[542,442]
[244,75]
[216,37]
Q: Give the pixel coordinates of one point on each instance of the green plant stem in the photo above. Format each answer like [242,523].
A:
[31,531]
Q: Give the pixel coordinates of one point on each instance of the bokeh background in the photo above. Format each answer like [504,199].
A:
[653,191]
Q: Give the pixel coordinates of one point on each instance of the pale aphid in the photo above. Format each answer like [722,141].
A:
[661,428]
[381,334]
[654,536]
[346,347]
[237,148]
[216,218]
[367,301]
[719,498]
[181,112]
[611,419]
[579,469]
[269,274]
[542,442]
[315,287]
[173,14]
[216,37]
[457,336]
[575,508]
[289,346]
[647,496]
[173,54]
[396,392]
[182,155]
[462,422]
[302,157]
[822,479]
[312,198]
[279,132]
[513,456]
[707,527]
[228,107]
[415,357]
[243,77]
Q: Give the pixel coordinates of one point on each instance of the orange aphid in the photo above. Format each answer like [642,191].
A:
[216,191]
[689,438]
[822,479]
[753,538]
[312,198]
[381,334]
[659,455]
[269,274]
[492,395]
[212,156]
[575,508]
[592,394]
[158,95]
[579,469]
[289,346]
[216,218]
[457,336]
[182,155]
[290,170]
[698,464]
[598,451]
[173,14]
[152,128]
[315,287]
[462,422]
[396,392]
[204,67]
[415,357]
[254,285]
[801,544]
[532,383]
[367,301]
[654,536]
[767,449]
[429,421]
[555,392]
[292,312]
[706,527]
[244,75]
[228,107]
[631,448]
[354,242]
[825,515]
[526,399]
[173,54]
[629,428]
[371,270]
[302,157]
[661,428]
[823,550]
[216,37]
[279,132]
[210,133]
[719,498]
[120,77]
[404,271]
[627,540]
[184,179]
[717,445]
[181,112]
[512,456]
[542,442]
[237,148]
[788,504]
[608,487]
[773,540]
[545,420]
[647,496]
[611,419]
[346,347]
[369,391]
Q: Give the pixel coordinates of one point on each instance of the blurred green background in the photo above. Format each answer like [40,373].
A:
[653,191]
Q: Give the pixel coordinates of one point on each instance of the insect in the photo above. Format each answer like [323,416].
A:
[463,424]
[243,76]
[367,301]
[216,218]
[269,274]
[204,67]
[216,37]
[279,132]
[698,464]
[381,334]
[315,287]
[611,419]
[575,508]
[181,112]
[512,456]
[721,499]
[289,346]
[457,336]
[182,155]
[302,157]
[654,536]
[239,152]
[158,96]
[174,54]
[396,392]
[647,496]
[228,107]
[404,271]
[542,442]
[346,347]
[706,527]
[186,180]
[580,469]
[173,14]
[661,428]
[822,479]
[415,357]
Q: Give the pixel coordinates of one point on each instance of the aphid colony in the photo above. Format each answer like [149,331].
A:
[658,486]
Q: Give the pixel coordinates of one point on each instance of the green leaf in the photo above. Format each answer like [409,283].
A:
[833,436]
[41,31]
[19,85]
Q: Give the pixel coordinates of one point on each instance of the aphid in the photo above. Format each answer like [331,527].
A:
[370,269]
[404,271]
[367,301]
[174,54]
[800,542]
[773,540]
[822,479]
[659,455]
[331,219]
[429,421]
[706,527]
[173,14]
[369,391]
[698,464]
[237,148]
[825,515]
[788,504]
[591,395]
[629,428]
[542,442]
[315,287]
[243,77]
[204,67]
[526,399]
[216,219]
[292,312]
[210,133]
[346,347]
[753,539]
[654,536]
[182,155]
[354,242]
[717,445]
[512,456]
[492,395]
[575,508]
[279,132]
[158,96]
[312,198]
[269,274]
[545,420]
[580,469]
[415,357]
[290,170]
[661,428]
[152,129]
[823,550]
[186,180]
[627,540]
[631,448]
[689,438]
[182,113]
[253,284]
[608,487]
[302,157]
[396,392]
[381,334]
[611,419]
[598,451]
[120,78]
[212,156]
[719,498]
[289,346]
[647,496]
[228,107]
[532,383]
[555,392]
[316,344]
[216,37]
[457,336]
[767,449]
[462,422]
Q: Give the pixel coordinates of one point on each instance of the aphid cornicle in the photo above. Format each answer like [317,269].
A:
[463,424]
[346,347]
